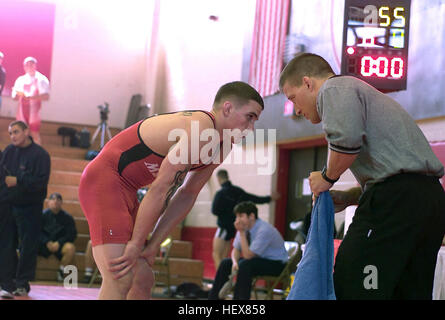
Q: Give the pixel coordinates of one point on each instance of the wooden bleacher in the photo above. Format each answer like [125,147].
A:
[67,164]
[182,267]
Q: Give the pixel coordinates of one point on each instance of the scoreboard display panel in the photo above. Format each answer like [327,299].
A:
[375,42]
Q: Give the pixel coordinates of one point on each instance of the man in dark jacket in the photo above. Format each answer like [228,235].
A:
[7,248]
[24,175]
[58,234]
[222,206]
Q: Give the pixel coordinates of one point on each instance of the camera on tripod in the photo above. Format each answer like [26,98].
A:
[104,110]
[103,126]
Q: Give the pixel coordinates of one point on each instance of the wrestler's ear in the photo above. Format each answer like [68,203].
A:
[227,108]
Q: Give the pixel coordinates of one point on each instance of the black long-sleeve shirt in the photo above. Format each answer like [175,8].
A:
[58,227]
[227,198]
[31,165]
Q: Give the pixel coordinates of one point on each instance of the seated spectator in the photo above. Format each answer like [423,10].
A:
[222,206]
[58,234]
[262,248]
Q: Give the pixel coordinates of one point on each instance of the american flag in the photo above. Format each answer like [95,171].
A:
[271,22]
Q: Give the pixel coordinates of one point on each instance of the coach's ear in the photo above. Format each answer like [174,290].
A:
[308,83]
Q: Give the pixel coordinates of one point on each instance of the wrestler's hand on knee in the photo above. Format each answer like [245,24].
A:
[122,265]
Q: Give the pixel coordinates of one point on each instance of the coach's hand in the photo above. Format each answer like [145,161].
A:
[11,181]
[122,265]
[317,183]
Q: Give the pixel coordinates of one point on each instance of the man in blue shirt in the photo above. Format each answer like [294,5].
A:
[261,246]
[222,206]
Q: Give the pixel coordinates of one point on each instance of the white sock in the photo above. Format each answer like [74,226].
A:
[88,271]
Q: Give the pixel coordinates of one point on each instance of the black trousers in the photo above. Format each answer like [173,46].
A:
[391,246]
[21,229]
[248,268]
[8,246]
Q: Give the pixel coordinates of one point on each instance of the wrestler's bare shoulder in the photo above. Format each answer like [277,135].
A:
[154,131]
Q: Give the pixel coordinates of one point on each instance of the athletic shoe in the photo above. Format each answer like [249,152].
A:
[5,294]
[60,275]
[227,287]
[20,292]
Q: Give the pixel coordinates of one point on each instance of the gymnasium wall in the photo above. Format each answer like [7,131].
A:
[194,54]
[252,177]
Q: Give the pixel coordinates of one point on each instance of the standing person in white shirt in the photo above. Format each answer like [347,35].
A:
[30,90]
[2,76]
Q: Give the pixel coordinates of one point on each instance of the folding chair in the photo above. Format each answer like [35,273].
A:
[284,278]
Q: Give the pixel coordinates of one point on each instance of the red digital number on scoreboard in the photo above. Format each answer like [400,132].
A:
[382,67]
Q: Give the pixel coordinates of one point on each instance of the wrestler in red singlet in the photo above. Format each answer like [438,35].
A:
[109,184]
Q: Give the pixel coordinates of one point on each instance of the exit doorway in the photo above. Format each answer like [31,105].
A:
[296,161]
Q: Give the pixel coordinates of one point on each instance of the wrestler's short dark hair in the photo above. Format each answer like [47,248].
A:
[223,174]
[246,207]
[19,123]
[240,91]
[304,64]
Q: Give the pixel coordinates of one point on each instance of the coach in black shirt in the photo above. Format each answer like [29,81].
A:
[24,175]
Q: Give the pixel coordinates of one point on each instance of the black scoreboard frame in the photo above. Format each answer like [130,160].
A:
[350,62]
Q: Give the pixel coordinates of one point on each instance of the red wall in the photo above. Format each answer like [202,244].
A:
[202,239]
[439,150]
[26,29]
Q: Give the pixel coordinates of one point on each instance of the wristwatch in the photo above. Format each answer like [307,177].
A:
[323,174]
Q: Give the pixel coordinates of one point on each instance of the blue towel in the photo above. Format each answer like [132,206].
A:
[313,277]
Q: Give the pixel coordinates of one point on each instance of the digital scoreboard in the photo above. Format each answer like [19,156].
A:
[375,42]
